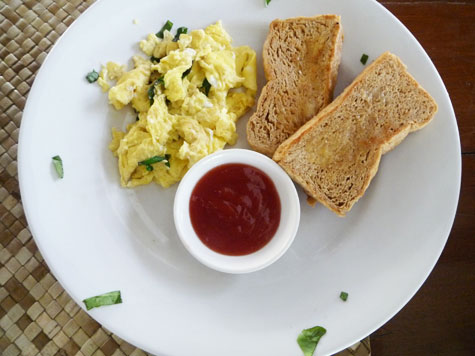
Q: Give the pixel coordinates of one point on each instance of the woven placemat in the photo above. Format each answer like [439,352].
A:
[37,317]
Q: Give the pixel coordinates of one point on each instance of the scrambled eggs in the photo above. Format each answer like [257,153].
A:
[188,96]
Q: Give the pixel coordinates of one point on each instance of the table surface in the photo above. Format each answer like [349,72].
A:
[439,320]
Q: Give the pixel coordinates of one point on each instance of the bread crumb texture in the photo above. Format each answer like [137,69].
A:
[336,154]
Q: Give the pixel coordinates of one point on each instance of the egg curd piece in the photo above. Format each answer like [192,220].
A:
[111,71]
[165,46]
[159,122]
[246,66]
[218,34]
[174,65]
[178,117]
[148,45]
[220,69]
[123,92]
[198,140]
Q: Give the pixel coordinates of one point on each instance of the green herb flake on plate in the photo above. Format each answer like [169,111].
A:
[344,296]
[309,338]
[364,58]
[92,76]
[179,31]
[58,166]
[168,26]
[103,299]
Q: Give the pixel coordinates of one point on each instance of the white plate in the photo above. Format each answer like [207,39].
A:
[97,237]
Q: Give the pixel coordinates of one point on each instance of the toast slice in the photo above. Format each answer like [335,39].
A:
[301,58]
[335,155]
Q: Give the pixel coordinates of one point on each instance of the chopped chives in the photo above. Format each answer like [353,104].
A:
[103,299]
[151,90]
[179,31]
[155,159]
[364,58]
[206,86]
[58,166]
[152,160]
[155,59]
[92,76]
[344,296]
[186,72]
[151,94]
[267,2]
[168,26]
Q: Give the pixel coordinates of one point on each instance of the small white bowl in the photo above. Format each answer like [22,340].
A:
[275,248]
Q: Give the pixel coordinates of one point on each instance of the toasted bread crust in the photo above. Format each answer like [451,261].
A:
[335,155]
[301,58]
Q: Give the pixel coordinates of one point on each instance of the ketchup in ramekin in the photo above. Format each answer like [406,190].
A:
[235,209]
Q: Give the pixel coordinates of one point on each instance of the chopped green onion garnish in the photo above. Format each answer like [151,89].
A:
[152,89]
[168,26]
[92,76]
[267,2]
[186,72]
[103,299]
[58,165]
[152,160]
[155,159]
[179,31]
[206,86]
[155,59]
[364,58]
[344,296]
[151,94]
[309,338]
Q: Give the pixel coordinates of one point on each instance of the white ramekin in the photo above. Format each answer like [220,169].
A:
[275,248]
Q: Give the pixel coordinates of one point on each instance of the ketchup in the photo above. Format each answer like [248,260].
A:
[235,209]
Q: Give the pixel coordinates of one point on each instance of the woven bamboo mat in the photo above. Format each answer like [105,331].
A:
[37,317]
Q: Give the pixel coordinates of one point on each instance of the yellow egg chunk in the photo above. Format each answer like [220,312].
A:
[148,45]
[246,66]
[173,66]
[111,71]
[220,69]
[123,92]
[159,122]
[165,46]
[217,33]
[187,102]
[140,101]
[239,102]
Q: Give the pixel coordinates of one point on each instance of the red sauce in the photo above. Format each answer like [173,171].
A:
[235,209]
